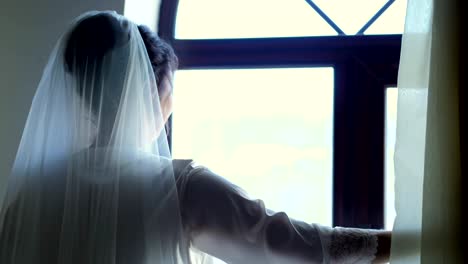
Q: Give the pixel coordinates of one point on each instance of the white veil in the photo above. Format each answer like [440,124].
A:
[92,181]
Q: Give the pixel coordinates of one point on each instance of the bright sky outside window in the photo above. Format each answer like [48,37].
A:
[392,21]
[267,130]
[213,19]
[142,12]
[204,19]
[352,15]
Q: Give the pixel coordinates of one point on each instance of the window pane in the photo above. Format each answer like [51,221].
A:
[392,21]
[213,19]
[205,19]
[390,134]
[350,16]
[142,12]
[267,130]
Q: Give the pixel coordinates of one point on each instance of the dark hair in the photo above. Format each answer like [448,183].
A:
[162,56]
[93,37]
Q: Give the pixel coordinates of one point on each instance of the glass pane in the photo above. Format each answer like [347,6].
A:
[267,130]
[142,12]
[390,134]
[350,16]
[392,21]
[206,19]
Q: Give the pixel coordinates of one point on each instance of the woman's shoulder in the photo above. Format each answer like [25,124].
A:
[182,168]
[186,168]
[182,164]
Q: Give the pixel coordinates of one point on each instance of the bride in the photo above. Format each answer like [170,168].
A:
[93,181]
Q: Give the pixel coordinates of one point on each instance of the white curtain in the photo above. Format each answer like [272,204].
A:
[427,152]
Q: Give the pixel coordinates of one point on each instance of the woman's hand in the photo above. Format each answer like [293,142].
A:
[384,239]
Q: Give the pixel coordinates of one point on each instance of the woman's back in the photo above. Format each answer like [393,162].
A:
[89,232]
[68,202]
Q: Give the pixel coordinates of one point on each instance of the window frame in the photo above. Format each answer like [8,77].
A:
[364,65]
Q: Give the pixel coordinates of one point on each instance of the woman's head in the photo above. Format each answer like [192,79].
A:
[86,57]
[91,39]
[162,57]
[164,62]
[96,35]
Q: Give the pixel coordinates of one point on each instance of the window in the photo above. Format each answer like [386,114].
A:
[142,12]
[391,21]
[217,19]
[218,48]
[267,130]
[241,19]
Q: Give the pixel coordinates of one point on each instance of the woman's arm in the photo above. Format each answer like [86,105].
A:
[225,223]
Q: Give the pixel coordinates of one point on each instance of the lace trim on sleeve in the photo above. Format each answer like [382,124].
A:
[351,245]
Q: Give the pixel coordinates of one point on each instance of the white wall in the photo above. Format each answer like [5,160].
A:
[28,31]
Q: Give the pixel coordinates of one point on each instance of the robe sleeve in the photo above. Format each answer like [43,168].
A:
[224,222]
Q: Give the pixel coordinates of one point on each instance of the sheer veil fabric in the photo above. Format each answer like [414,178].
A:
[92,181]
